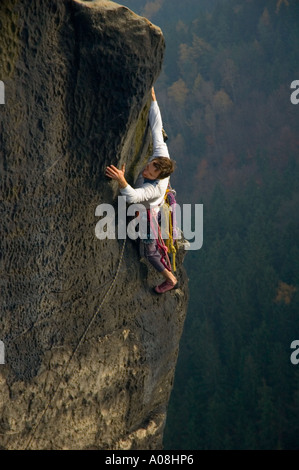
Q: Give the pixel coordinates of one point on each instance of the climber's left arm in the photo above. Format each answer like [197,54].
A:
[148,191]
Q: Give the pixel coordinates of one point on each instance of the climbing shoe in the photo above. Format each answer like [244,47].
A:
[165,287]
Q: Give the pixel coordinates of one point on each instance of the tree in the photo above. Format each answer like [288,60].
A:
[178,91]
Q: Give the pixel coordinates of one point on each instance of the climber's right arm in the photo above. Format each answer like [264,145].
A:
[160,148]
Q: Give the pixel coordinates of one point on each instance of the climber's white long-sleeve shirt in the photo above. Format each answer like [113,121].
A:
[151,194]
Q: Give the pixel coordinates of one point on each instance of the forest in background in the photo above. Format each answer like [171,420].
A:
[224,93]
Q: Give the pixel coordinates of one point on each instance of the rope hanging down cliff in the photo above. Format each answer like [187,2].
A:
[32,434]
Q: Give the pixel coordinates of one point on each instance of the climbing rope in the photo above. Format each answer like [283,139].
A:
[170,243]
[27,446]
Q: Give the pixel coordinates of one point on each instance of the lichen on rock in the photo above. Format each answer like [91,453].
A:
[77,99]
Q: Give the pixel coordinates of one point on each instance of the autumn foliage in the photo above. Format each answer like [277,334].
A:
[234,133]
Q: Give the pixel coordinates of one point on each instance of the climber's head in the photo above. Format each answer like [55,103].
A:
[159,168]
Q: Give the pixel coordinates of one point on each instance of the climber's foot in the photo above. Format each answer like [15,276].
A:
[165,287]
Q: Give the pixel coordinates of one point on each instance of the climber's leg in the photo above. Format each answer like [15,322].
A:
[153,255]
[169,284]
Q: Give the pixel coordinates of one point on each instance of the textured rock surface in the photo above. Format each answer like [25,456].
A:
[77,82]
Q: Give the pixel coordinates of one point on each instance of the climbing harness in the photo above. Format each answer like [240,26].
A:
[77,347]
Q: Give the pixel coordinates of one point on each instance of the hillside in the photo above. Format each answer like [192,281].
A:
[233,130]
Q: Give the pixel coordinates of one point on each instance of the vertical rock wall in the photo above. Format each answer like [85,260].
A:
[77,81]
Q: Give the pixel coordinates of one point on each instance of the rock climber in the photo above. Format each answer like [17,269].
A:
[150,189]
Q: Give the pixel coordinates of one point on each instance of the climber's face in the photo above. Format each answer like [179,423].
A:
[151,172]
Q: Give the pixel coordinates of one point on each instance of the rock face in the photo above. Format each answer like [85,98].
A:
[90,352]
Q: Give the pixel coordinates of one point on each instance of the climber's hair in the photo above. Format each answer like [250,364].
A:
[165,165]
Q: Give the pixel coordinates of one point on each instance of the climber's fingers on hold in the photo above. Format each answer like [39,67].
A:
[109,171]
[112,171]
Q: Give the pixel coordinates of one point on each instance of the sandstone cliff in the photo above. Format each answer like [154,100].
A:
[77,81]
